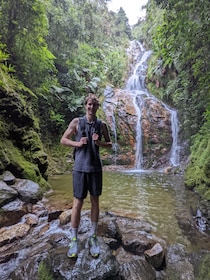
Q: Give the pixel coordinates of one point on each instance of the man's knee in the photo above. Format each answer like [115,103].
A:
[78,203]
[94,200]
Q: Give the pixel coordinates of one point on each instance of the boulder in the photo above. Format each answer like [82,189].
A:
[13,233]
[8,178]
[155,256]
[7,194]
[178,264]
[28,190]
[137,270]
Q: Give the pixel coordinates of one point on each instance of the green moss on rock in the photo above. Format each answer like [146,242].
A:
[12,159]
[197,175]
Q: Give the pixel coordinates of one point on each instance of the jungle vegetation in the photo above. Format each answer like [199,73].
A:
[53,52]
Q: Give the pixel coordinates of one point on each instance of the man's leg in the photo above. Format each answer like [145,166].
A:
[75,220]
[94,208]
[94,246]
[75,216]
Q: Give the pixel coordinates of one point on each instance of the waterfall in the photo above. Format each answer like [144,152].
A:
[137,79]
[174,159]
[136,84]
[138,104]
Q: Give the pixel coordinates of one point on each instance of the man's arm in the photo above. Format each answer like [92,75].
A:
[105,133]
[70,131]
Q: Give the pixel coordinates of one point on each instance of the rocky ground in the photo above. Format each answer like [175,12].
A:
[33,236]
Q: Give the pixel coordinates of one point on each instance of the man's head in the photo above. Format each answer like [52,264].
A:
[94,100]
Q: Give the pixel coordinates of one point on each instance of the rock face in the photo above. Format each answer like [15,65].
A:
[36,245]
[156,134]
[21,149]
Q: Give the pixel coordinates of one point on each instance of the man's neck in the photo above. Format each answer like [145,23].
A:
[90,119]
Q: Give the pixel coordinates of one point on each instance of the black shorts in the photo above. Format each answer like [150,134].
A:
[84,182]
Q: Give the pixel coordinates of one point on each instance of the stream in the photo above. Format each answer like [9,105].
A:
[157,198]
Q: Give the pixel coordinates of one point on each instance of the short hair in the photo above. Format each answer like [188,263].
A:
[93,98]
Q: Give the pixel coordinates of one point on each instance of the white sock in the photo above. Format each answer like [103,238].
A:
[94,228]
[74,232]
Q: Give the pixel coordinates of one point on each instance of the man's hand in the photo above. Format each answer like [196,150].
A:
[95,137]
[83,141]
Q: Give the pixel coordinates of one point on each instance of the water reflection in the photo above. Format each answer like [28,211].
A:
[153,197]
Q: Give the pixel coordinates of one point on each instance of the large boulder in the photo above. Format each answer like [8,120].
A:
[7,193]
[28,190]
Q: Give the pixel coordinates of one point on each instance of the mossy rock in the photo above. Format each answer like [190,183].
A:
[12,159]
[203,268]
[197,175]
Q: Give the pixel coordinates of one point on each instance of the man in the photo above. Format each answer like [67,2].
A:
[87,170]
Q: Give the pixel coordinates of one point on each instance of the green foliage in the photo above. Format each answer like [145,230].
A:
[180,43]
[57,51]
[8,80]
[145,30]
[178,34]
[24,26]
[95,67]
[198,172]
[122,25]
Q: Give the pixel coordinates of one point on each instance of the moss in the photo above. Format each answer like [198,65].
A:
[3,128]
[44,273]
[203,269]
[197,175]
[12,159]
[31,140]
[44,184]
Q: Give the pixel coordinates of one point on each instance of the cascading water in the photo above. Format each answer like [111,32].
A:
[174,159]
[136,85]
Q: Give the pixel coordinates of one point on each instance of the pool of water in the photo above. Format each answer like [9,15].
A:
[151,196]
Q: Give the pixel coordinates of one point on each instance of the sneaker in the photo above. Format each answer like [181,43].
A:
[94,246]
[73,248]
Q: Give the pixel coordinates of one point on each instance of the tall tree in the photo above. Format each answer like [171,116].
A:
[24,26]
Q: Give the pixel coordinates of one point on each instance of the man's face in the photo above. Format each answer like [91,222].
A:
[91,107]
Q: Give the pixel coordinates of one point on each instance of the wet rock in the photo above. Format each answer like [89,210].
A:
[65,217]
[155,256]
[122,118]
[53,215]
[13,206]
[12,212]
[85,267]
[43,229]
[109,227]
[7,256]
[123,256]
[39,209]
[28,266]
[8,178]
[28,190]
[178,264]
[136,244]
[12,233]
[108,92]
[137,270]
[138,240]
[7,194]
[128,249]
[31,219]
[113,243]
[9,218]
